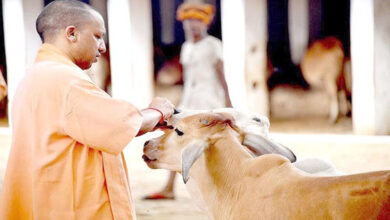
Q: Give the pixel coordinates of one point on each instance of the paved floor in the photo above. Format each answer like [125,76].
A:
[310,137]
[349,153]
[143,180]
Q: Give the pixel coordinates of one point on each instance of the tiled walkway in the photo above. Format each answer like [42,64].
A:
[350,154]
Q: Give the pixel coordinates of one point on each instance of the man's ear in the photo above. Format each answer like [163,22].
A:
[70,33]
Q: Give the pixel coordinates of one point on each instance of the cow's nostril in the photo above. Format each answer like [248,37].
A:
[146,143]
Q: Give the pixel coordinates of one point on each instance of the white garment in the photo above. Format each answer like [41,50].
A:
[202,88]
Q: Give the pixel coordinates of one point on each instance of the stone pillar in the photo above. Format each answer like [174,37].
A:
[370,49]
[14,42]
[256,73]
[168,17]
[131,50]
[118,19]
[32,8]
[142,49]
[382,66]
[233,35]
[362,54]
[298,26]
[101,7]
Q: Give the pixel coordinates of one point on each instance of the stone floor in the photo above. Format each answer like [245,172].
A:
[307,137]
[143,180]
[349,153]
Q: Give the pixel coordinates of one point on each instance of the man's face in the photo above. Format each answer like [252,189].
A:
[90,44]
[194,27]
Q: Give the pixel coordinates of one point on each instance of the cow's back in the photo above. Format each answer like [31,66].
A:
[323,62]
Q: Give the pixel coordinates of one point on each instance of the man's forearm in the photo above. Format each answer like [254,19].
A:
[150,119]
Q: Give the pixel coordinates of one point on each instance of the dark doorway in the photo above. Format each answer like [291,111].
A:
[278,47]
[3,65]
[46,2]
[336,21]
[326,18]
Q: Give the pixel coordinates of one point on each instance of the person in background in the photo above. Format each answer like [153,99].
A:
[204,81]
[66,159]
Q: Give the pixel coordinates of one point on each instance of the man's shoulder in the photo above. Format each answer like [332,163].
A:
[213,39]
[51,76]
[212,43]
[186,44]
[58,71]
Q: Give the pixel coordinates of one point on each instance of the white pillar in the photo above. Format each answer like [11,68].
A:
[130,50]
[233,35]
[382,66]
[32,8]
[298,25]
[256,56]
[118,16]
[142,49]
[101,7]
[362,54]
[168,16]
[14,42]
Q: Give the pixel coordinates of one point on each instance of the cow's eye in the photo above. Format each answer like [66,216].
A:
[180,133]
[256,119]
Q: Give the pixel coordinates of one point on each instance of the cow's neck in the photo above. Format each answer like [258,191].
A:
[218,174]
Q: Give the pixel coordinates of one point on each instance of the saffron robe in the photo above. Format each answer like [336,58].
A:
[66,158]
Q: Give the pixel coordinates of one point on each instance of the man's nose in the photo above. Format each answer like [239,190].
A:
[102,47]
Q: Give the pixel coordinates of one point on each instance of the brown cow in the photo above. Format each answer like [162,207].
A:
[234,185]
[323,68]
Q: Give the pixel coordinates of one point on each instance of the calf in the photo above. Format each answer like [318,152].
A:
[206,147]
[323,68]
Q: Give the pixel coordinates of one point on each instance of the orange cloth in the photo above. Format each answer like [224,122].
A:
[203,12]
[66,158]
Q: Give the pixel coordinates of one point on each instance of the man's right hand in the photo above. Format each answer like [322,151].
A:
[152,115]
[164,105]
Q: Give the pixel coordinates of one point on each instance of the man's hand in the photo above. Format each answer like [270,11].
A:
[164,105]
[159,108]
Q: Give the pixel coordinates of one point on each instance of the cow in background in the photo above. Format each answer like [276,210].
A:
[323,68]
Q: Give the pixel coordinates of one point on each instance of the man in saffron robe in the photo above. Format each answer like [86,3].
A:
[66,158]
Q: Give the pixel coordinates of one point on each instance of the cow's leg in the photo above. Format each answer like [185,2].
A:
[344,106]
[334,105]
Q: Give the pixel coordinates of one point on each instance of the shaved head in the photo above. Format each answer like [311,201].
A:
[60,14]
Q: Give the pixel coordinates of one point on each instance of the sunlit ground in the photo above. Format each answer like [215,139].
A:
[349,153]
[3,122]
[307,137]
